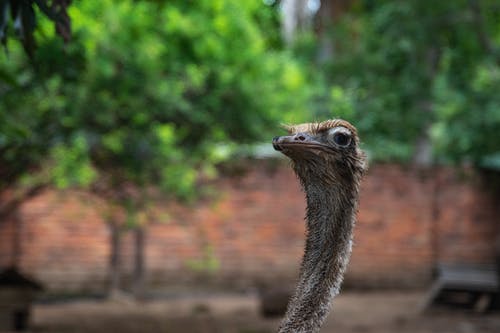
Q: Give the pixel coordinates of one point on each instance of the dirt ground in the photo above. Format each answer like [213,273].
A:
[381,312]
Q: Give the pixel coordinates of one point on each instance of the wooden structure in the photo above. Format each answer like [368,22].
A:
[475,287]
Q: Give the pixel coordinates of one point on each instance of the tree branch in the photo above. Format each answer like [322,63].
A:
[12,205]
[482,35]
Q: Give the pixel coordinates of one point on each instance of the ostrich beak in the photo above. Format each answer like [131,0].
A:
[276,143]
[296,140]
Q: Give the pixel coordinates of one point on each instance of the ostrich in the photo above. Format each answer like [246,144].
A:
[329,164]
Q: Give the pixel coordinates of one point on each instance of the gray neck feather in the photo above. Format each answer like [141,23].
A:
[331,210]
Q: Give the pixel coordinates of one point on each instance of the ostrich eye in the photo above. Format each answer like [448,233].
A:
[341,139]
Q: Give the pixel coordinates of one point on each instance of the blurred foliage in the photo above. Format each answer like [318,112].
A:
[468,114]
[402,69]
[147,92]
[158,92]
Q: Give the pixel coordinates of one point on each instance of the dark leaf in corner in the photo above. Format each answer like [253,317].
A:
[22,16]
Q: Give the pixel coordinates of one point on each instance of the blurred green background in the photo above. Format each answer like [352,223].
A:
[161,91]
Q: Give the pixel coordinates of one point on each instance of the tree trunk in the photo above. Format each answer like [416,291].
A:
[115,260]
[139,275]
[329,11]
[325,21]
[422,156]
[295,18]
[17,240]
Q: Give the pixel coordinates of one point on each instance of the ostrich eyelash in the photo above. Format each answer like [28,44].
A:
[317,127]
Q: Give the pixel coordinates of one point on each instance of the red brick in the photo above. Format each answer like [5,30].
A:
[254,226]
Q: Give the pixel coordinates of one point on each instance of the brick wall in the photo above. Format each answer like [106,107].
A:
[251,231]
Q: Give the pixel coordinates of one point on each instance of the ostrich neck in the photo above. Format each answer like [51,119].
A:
[330,220]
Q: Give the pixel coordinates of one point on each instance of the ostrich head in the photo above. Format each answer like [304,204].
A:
[327,159]
[327,152]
